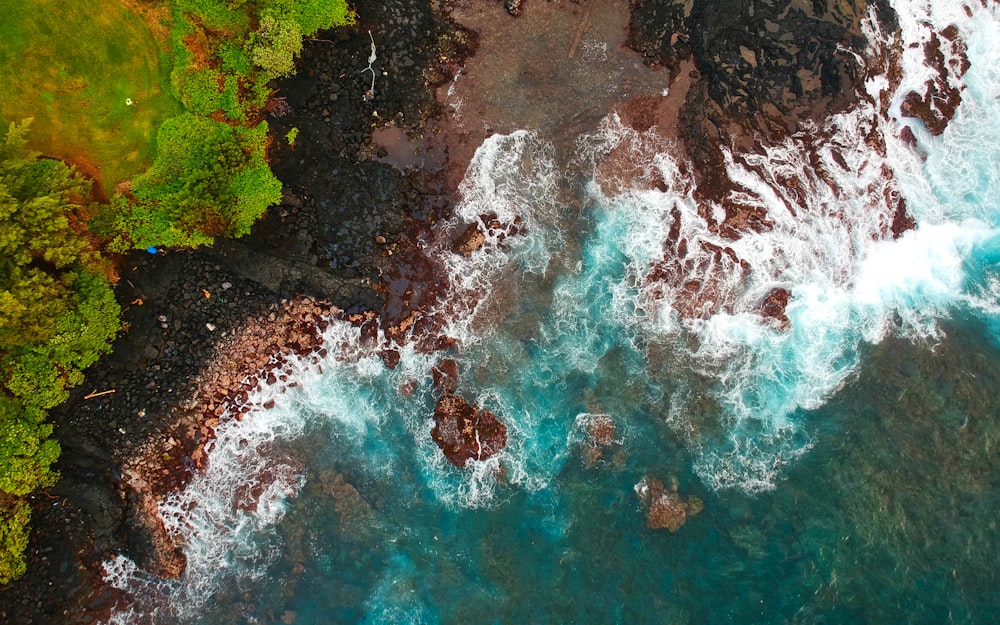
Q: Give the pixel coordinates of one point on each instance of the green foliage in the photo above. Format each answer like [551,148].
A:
[209,179]
[14,517]
[275,46]
[316,15]
[57,310]
[26,452]
[234,59]
[291,136]
[199,90]
[57,316]
[217,14]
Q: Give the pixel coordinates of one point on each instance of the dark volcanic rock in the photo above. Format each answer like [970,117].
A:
[935,106]
[774,305]
[354,209]
[336,234]
[786,53]
[763,67]
[464,432]
[513,7]
[151,547]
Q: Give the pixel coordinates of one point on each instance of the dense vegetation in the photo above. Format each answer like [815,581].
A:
[57,315]
[209,178]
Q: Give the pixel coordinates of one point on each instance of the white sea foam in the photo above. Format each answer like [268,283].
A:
[849,284]
[396,599]
[829,245]
[514,178]
[224,519]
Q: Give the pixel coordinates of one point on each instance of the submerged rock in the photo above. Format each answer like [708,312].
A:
[600,442]
[665,509]
[464,432]
[445,375]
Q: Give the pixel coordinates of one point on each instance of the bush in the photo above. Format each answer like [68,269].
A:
[14,517]
[209,179]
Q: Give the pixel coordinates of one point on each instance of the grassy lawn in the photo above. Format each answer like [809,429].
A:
[74,65]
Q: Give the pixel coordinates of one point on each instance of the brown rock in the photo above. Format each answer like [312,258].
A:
[665,509]
[164,558]
[470,240]
[937,104]
[601,430]
[774,306]
[390,357]
[464,432]
[445,375]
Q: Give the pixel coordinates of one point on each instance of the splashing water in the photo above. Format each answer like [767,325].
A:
[566,316]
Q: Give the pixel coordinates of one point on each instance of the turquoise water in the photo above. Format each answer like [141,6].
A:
[848,466]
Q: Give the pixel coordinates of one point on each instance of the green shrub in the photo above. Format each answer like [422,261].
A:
[209,179]
[234,59]
[14,517]
[199,90]
[274,46]
[26,451]
[316,15]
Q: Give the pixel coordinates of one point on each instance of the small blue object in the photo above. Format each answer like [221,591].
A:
[151,249]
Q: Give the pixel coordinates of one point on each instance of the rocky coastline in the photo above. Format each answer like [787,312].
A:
[204,327]
[369,180]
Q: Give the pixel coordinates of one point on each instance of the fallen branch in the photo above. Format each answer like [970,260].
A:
[371,59]
[96,394]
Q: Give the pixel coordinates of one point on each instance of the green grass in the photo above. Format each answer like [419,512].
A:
[72,66]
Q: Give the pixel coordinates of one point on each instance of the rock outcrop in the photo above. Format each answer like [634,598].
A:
[601,442]
[936,103]
[464,432]
[665,508]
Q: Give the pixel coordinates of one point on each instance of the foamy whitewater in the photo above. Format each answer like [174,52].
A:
[336,505]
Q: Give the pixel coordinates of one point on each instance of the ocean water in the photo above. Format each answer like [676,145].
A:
[848,465]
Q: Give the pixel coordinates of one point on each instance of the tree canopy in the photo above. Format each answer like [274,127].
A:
[58,314]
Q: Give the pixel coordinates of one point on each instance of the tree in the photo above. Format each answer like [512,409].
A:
[58,314]
[275,46]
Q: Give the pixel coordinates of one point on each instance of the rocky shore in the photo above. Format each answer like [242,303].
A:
[204,327]
[369,179]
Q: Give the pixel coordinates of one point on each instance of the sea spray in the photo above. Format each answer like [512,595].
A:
[610,341]
[830,205]
[509,193]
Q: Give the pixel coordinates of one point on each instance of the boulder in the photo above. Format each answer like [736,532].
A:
[445,375]
[774,306]
[469,240]
[464,432]
[665,509]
